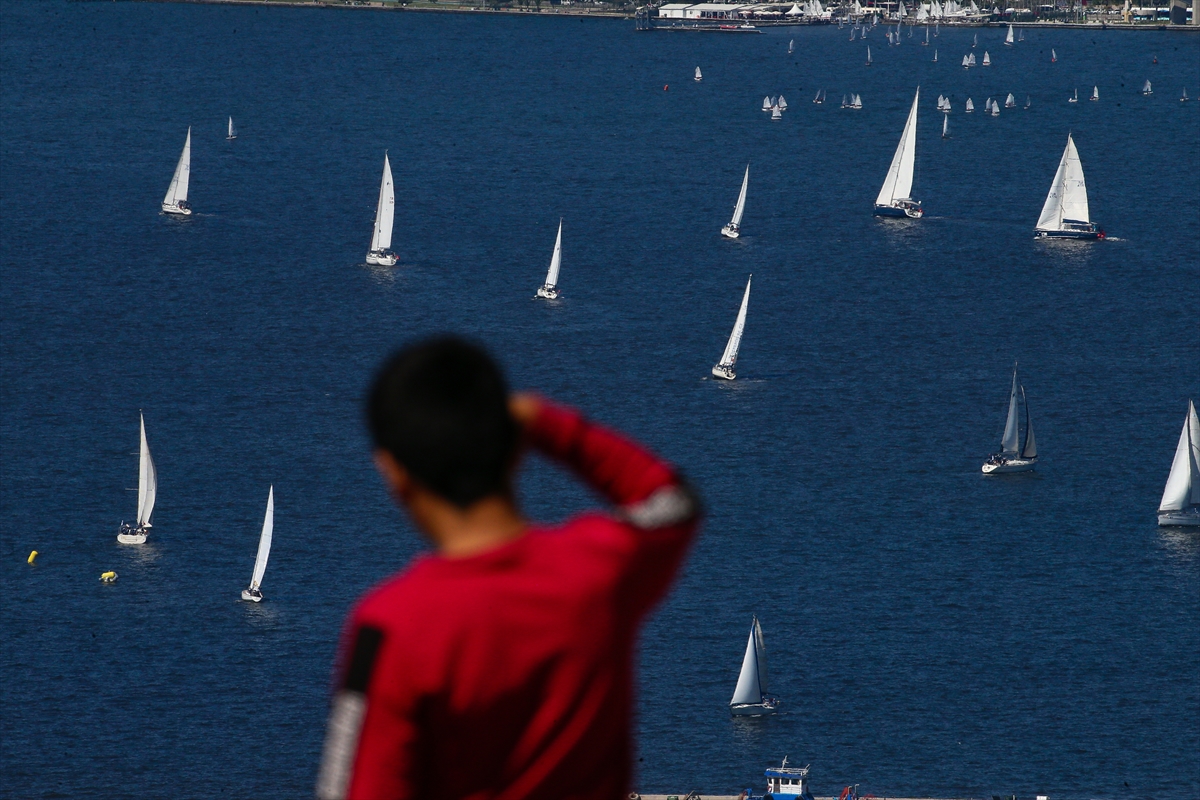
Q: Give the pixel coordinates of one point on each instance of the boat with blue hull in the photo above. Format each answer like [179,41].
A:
[1065,213]
[784,781]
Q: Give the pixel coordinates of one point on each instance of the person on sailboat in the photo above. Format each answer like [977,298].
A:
[503,660]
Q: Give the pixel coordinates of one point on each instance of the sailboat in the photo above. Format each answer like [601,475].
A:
[734,229]
[926,42]
[1053,56]
[975,42]
[971,60]
[1146,89]
[1065,213]
[987,59]
[1027,102]
[1008,40]
[1095,93]
[549,290]
[1181,497]
[750,697]
[894,199]
[995,109]
[176,200]
[253,592]
[856,102]
[1012,458]
[724,367]
[767,104]
[385,212]
[699,77]
[781,103]
[935,56]
[147,492]
[966,63]
[970,106]
[232,131]
[820,97]
[1021,36]
[776,113]
[845,102]
[1010,101]
[1074,98]
[791,46]
[868,55]
[1184,98]
[945,127]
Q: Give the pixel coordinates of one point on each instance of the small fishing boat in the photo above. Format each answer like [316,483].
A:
[232,134]
[894,198]
[698,77]
[176,201]
[945,127]
[147,493]
[781,103]
[549,289]
[1146,88]
[1012,458]
[1095,94]
[1053,56]
[1180,504]
[750,697]
[987,59]
[1010,101]
[1008,40]
[1074,98]
[766,106]
[734,229]
[969,107]
[253,593]
[724,368]
[868,55]
[1065,212]
[380,254]
[785,781]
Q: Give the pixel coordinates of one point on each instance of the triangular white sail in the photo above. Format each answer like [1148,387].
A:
[1183,484]
[385,211]
[868,54]
[1095,92]
[178,190]
[232,131]
[1067,199]
[1010,101]
[760,657]
[738,209]
[748,689]
[698,75]
[555,260]
[1146,89]
[945,127]
[987,59]
[147,481]
[1029,449]
[264,542]
[1009,442]
[729,357]
[970,105]
[898,183]
[1009,38]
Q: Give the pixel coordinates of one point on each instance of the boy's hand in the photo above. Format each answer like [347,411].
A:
[524,407]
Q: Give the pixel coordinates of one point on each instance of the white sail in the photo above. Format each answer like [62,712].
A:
[1009,442]
[1183,484]
[781,103]
[741,201]
[1068,193]
[1053,55]
[970,105]
[385,211]
[945,127]
[232,132]
[264,542]
[1095,92]
[766,104]
[748,689]
[868,54]
[729,357]
[1146,89]
[698,75]
[987,59]
[1009,38]
[178,190]
[760,657]
[147,481]
[791,45]
[1029,449]
[1010,101]
[898,183]
[556,259]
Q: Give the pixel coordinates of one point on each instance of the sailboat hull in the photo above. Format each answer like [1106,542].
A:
[1186,518]
[898,212]
[767,707]
[1010,465]
[252,597]
[1069,234]
[381,258]
[724,373]
[730,232]
[137,537]
[548,293]
[178,210]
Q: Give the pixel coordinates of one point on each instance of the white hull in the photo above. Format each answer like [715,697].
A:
[253,598]
[763,709]
[1010,465]
[1187,518]
[548,293]
[132,538]
[381,259]
[725,373]
[172,208]
[730,232]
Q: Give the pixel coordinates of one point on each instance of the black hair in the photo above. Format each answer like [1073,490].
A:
[440,407]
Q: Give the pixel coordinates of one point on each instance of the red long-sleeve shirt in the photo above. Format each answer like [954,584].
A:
[509,674]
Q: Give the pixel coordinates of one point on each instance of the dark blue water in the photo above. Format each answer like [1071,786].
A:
[932,632]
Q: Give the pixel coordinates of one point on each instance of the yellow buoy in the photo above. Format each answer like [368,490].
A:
[32,556]
[108,577]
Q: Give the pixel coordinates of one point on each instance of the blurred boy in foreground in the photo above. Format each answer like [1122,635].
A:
[499,666]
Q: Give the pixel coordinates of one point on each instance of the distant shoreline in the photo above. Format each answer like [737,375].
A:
[582,13]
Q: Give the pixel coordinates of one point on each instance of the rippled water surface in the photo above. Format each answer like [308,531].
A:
[931,632]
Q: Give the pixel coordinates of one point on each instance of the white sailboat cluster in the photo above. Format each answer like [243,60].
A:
[968,61]
[750,698]
[1065,213]
[854,101]
[894,198]
[724,368]
[734,229]
[253,593]
[147,493]
[943,104]
[549,289]
[1180,504]
[1014,456]
[380,254]
[176,201]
